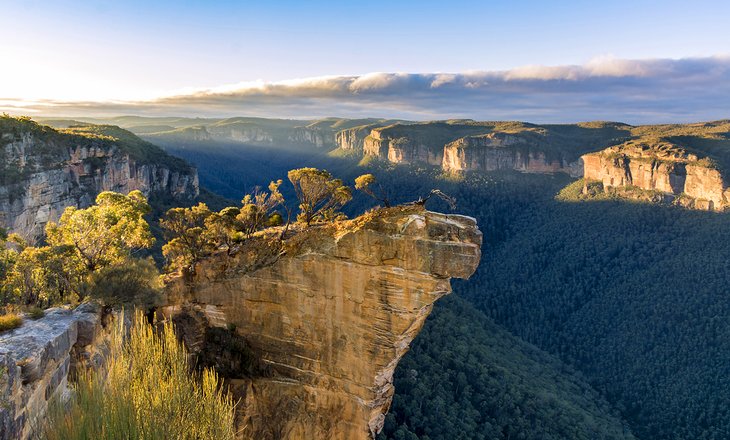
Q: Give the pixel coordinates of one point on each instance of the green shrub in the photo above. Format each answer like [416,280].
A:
[35,313]
[147,391]
[10,321]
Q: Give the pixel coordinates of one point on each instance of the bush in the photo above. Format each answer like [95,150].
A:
[10,321]
[146,392]
[35,313]
[133,283]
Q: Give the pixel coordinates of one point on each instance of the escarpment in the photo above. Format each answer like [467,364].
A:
[327,315]
[504,151]
[661,167]
[457,146]
[44,171]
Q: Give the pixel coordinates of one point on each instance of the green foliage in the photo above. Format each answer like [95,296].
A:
[366,184]
[320,196]
[147,391]
[35,313]
[106,233]
[187,242]
[44,276]
[89,251]
[466,378]
[134,282]
[257,208]
[10,321]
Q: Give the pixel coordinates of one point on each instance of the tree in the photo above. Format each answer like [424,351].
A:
[256,212]
[222,228]
[134,283]
[45,275]
[106,233]
[320,196]
[186,234]
[366,182]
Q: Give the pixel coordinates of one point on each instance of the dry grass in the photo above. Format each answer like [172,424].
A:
[147,392]
[10,321]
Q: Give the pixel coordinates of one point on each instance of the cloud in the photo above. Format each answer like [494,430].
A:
[606,88]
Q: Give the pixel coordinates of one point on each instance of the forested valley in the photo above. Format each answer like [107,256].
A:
[629,296]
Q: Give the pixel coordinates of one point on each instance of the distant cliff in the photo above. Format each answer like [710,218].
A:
[45,170]
[660,167]
[502,151]
[458,146]
[327,315]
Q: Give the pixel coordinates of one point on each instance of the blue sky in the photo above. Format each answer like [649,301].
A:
[102,51]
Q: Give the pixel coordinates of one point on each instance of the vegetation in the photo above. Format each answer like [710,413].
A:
[466,378]
[9,321]
[629,295]
[320,196]
[145,391]
[366,182]
[87,248]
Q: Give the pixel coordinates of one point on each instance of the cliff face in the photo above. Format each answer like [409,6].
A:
[401,150]
[36,360]
[51,175]
[330,314]
[502,151]
[353,139]
[662,167]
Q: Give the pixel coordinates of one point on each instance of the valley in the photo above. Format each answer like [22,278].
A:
[578,282]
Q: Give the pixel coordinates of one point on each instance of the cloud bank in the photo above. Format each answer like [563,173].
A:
[634,91]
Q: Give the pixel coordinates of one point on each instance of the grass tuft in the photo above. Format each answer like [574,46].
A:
[147,391]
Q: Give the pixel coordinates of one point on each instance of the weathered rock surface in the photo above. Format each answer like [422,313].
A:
[663,167]
[35,361]
[503,151]
[73,177]
[330,316]
[353,139]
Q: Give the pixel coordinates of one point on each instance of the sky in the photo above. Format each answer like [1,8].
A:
[543,61]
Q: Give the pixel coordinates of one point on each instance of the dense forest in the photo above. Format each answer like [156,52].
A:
[630,295]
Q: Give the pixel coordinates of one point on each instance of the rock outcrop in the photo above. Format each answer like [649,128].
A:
[503,151]
[54,171]
[662,167]
[329,313]
[353,139]
[36,360]
[402,149]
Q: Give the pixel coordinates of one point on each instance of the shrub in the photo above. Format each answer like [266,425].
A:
[10,321]
[147,391]
[35,313]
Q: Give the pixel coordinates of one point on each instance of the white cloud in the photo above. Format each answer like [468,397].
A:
[653,90]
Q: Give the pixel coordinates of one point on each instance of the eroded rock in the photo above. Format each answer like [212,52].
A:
[330,317]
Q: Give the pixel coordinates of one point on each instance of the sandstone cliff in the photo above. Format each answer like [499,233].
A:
[36,360]
[45,171]
[328,314]
[504,151]
[663,167]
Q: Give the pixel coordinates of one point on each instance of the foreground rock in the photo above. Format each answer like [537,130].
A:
[35,362]
[328,315]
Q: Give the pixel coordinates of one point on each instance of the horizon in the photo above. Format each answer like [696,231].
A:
[544,63]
